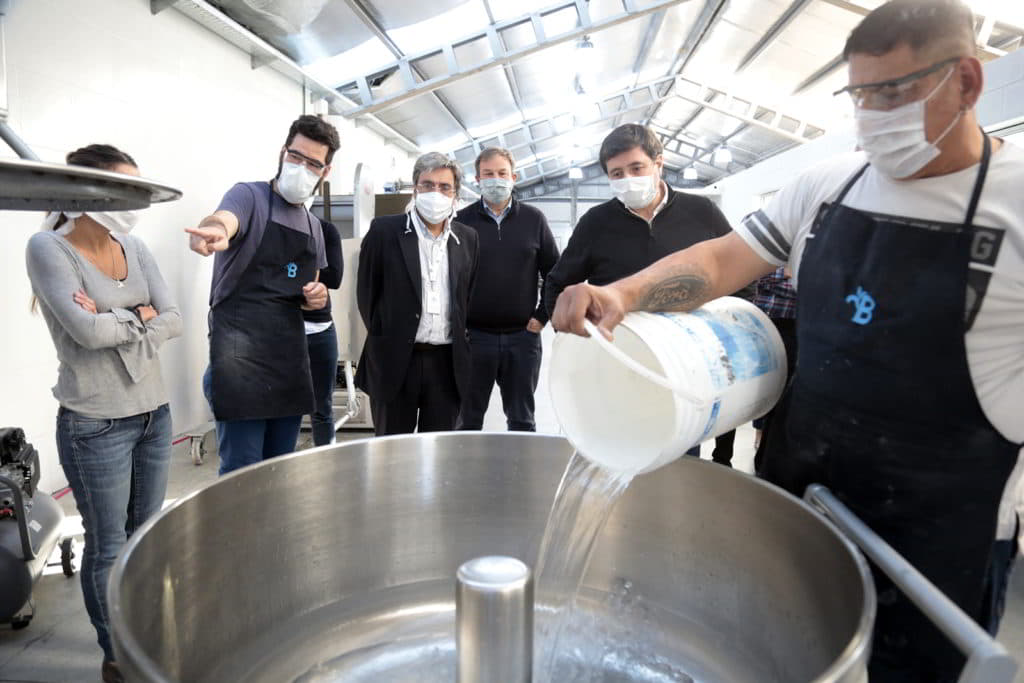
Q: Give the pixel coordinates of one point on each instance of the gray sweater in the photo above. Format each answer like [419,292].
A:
[108,360]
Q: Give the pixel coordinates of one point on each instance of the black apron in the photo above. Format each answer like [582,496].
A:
[258,355]
[882,410]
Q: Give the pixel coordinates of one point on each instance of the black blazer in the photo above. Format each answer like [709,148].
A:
[389,294]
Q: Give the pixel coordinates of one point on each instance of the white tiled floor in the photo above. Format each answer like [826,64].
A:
[59,645]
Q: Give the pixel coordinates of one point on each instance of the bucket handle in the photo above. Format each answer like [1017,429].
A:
[987,660]
[639,369]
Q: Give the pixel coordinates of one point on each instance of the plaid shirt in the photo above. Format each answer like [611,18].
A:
[775,295]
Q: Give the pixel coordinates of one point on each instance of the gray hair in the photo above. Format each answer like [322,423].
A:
[432,161]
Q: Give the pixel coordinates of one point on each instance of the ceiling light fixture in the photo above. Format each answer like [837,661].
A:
[575,173]
[585,64]
[723,155]
[690,173]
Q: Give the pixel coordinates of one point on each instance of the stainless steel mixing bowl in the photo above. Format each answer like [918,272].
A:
[339,564]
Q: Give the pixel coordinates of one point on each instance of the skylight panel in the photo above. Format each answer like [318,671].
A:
[440,29]
[357,61]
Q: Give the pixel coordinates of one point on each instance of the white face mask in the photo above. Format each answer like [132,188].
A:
[434,207]
[496,190]
[120,222]
[895,141]
[115,221]
[635,192]
[296,183]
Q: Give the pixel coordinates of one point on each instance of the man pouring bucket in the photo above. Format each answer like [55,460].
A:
[910,374]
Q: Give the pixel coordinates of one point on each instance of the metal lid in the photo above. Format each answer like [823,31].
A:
[37,186]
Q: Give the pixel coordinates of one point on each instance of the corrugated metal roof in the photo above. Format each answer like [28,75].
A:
[755,75]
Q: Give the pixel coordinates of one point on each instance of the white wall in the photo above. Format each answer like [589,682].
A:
[360,144]
[188,107]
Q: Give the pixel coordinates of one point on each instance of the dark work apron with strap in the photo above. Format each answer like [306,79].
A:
[258,355]
[882,410]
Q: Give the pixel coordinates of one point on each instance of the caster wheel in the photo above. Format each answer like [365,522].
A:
[198,450]
[67,554]
[19,623]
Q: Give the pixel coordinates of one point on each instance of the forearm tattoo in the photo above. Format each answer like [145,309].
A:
[677,293]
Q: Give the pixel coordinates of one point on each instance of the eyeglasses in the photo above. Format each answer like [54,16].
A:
[886,95]
[443,188]
[297,157]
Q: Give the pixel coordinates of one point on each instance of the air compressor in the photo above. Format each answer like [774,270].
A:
[30,522]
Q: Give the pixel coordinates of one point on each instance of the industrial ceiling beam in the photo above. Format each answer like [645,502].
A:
[984,49]
[562,122]
[508,69]
[709,16]
[784,20]
[158,6]
[650,35]
[371,22]
[699,155]
[453,72]
[559,125]
[213,19]
[780,24]
[820,74]
[752,113]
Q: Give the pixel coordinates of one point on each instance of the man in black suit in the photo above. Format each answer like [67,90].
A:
[416,272]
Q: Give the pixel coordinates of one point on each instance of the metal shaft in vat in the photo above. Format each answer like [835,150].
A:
[494,620]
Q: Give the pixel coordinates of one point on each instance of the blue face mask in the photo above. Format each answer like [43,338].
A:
[496,190]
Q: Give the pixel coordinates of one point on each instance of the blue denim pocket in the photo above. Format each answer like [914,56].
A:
[89,427]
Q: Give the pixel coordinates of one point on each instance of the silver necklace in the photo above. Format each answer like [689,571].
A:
[113,267]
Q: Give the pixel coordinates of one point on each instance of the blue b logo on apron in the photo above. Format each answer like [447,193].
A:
[864,304]
[292,269]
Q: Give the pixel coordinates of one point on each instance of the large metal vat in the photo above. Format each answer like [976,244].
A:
[339,564]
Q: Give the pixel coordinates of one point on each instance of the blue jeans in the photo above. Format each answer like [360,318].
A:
[513,361]
[246,442]
[323,365]
[117,470]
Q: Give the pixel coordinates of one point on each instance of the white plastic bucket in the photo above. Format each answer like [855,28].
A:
[667,382]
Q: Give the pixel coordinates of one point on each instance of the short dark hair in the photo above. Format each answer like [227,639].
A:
[626,137]
[103,157]
[944,25]
[317,130]
[492,152]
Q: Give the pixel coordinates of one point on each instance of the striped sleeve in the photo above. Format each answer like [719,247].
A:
[764,237]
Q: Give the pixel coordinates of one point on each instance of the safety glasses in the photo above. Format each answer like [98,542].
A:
[886,95]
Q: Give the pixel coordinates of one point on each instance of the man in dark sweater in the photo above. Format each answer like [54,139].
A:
[517,250]
[646,221]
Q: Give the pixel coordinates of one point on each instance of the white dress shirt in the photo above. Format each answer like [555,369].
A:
[435,317]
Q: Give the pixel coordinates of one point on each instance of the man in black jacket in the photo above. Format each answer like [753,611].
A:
[416,272]
[517,249]
[646,221]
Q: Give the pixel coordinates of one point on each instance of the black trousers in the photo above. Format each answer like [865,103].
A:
[428,400]
[722,454]
[513,361]
[787,330]
[323,365]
